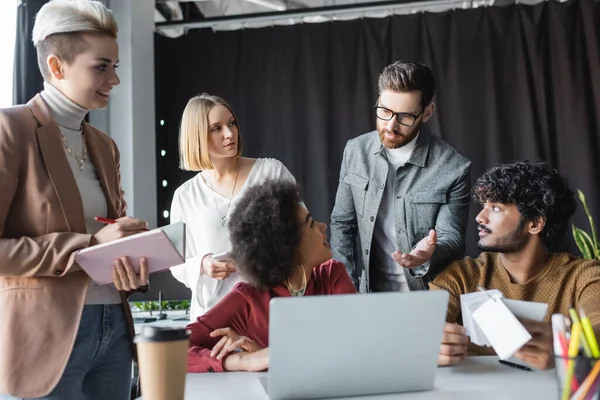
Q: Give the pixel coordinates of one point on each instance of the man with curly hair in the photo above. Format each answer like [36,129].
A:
[526,210]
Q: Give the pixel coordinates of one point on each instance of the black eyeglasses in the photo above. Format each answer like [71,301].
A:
[405,119]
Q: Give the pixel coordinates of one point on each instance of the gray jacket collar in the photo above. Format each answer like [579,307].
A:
[419,155]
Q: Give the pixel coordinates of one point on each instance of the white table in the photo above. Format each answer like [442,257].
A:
[478,378]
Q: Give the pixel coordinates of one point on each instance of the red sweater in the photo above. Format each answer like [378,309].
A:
[246,310]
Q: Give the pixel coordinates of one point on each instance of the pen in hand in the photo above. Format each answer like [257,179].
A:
[518,366]
[110,221]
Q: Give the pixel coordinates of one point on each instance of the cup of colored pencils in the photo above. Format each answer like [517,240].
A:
[577,357]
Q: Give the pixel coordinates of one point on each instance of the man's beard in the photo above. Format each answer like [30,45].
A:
[511,242]
[399,139]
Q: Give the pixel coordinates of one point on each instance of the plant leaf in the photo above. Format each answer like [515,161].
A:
[588,241]
[582,197]
[584,243]
[592,226]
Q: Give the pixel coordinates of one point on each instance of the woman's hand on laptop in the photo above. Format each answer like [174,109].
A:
[454,345]
[538,352]
[252,362]
[230,342]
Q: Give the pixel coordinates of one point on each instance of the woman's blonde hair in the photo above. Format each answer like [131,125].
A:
[193,133]
[60,25]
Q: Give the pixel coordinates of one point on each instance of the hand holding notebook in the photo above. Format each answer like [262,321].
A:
[492,320]
[162,247]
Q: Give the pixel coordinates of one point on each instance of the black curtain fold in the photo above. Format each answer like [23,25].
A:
[27,80]
[515,82]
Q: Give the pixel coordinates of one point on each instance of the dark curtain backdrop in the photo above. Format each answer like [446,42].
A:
[515,82]
[27,80]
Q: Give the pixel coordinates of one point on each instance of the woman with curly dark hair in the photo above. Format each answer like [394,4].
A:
[280,251]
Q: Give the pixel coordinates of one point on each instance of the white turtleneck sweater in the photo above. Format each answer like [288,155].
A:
[69,117]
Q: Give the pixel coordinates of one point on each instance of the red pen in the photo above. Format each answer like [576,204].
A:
[109,221]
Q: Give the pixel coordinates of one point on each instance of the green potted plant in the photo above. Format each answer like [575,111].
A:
[588,246]
[146,306]
[165,305]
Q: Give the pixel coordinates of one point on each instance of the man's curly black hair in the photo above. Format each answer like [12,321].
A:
[536,189]
[266,233]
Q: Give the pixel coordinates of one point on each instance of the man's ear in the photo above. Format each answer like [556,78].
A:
[428,112]
[537,225]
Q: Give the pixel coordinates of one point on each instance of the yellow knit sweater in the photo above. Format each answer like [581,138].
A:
[566,281]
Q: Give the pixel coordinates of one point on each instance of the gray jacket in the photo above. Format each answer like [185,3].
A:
[432,191]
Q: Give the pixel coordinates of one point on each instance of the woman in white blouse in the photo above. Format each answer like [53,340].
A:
[210,142]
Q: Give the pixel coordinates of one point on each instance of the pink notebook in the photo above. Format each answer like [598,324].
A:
[163,248]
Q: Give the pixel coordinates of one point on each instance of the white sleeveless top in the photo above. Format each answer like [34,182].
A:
[194,204]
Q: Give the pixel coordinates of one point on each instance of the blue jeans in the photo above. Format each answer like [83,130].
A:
[100,364]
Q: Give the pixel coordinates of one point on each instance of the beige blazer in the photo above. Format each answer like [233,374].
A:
[42,224]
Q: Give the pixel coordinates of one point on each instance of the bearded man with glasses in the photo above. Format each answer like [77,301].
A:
[402,204]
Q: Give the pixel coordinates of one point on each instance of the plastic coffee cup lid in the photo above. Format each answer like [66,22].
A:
[161,334]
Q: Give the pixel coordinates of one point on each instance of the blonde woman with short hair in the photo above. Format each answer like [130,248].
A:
[210,143]
[62,336]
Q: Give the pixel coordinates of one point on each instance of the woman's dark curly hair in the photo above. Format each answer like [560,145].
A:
[536,189]
[266,233]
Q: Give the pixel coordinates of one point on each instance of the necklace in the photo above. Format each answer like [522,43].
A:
[224,216]
[80,159]
[297,292]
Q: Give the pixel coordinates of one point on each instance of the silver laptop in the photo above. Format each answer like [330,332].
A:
[348,345]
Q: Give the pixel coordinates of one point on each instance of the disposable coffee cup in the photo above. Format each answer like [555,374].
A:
[162,361]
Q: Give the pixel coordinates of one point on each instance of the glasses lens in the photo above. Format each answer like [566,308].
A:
[384,114]
[405,119]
